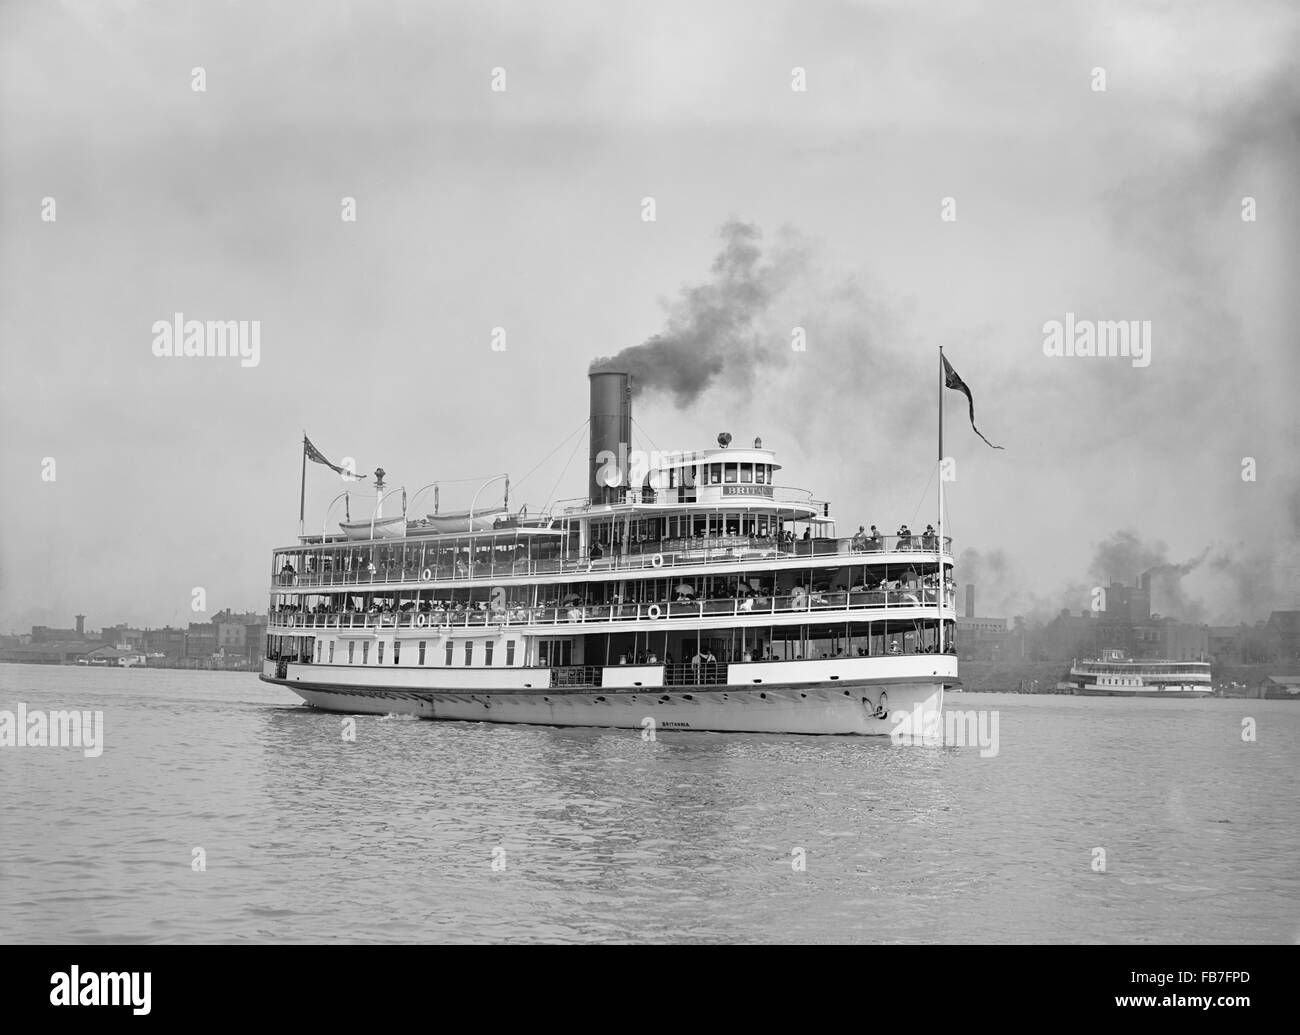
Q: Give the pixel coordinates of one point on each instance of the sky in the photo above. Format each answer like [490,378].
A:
[524,209]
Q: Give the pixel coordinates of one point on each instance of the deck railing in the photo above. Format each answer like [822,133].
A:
[706,673]
[567,615]
[576,675]
[657,556]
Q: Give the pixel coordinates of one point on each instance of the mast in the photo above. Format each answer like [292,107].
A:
[939,590]
[379,500]
[302,495]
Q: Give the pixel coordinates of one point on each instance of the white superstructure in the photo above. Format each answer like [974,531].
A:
[689,593]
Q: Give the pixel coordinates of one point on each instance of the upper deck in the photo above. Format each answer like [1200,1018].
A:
[714,510]
[521,554]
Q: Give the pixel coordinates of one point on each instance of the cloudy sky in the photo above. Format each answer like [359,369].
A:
[523,209]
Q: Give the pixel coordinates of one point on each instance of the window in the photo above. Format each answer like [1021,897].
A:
[450,646]
[715,474]
[352,650]
[469,652]
[510,652]
[397,651]
[729,473]
[319,647]
[488,646]
[423,644]
[365,652]
[760,473]
[331,652]
[381,652]
[746,472]
[558,652]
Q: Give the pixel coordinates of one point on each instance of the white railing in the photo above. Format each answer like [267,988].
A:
[638,557]
[813,604]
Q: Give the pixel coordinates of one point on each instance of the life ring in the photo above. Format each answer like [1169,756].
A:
[657,561]
[654,612]
[421,619]
[428,574]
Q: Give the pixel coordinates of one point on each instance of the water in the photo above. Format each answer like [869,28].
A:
[607,837]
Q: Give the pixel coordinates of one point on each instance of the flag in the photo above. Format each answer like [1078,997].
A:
[952,380]
[317,457]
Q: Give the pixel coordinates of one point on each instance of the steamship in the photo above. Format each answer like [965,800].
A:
[687,591]
[1115,674]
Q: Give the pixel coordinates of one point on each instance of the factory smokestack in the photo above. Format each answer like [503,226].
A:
[970,600]
[81,625]
[610,435]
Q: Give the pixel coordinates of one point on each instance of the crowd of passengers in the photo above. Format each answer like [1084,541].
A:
[572,608]
[867,542]
[862,541]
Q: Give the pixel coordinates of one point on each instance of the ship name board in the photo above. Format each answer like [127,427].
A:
[747,490]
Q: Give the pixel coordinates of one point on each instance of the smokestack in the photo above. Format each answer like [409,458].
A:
[81,625]
[610,435]
[970,600]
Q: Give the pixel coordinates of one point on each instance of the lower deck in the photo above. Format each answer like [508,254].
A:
[884,704]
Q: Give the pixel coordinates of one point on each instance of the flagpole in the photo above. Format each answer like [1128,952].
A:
[940,588]
[302,496]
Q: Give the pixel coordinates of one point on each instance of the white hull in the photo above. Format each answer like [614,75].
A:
[808,708]
[1192,690]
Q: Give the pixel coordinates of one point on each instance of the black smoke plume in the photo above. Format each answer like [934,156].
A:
[714,326]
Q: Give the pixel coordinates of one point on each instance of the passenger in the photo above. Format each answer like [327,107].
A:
[904,537]
[929,539]
[807,533]
[874,538]
[894,648]
[859,540]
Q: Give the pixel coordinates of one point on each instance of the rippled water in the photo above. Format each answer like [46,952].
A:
[608,837]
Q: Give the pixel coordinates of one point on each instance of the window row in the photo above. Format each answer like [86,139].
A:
[720,474]
[325,652]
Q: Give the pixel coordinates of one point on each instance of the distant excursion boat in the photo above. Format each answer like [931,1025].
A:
[1116,675]
[695,595]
